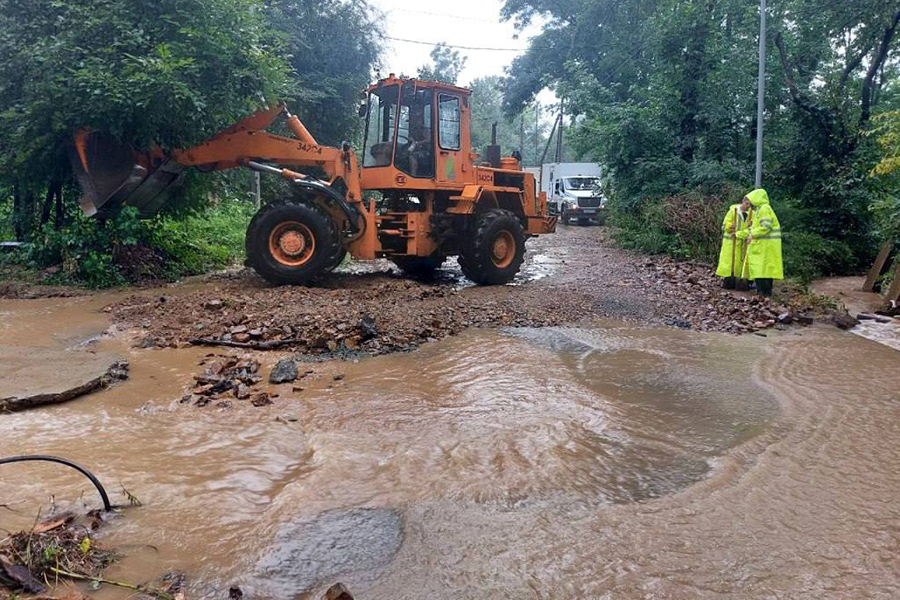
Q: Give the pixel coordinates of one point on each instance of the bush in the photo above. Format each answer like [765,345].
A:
[124,249]
[84,249]
[809,255]
[686,226]
[208,238]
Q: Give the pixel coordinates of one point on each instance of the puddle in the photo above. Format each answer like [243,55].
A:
[605,460]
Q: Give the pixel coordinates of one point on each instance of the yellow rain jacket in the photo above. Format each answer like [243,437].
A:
[764,252]
[742,224]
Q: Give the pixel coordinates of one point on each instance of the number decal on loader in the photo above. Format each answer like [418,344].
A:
[310,148]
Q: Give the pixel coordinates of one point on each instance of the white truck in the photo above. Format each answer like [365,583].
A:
[573,191]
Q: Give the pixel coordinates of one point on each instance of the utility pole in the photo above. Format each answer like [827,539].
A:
[761,92]
[537,112]
[559,137]
[522,137]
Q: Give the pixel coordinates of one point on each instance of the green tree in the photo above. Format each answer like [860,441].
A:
[487,109]
[171,72]
[446,65]
[334,47]
[665,97]
[520,131]
[887,204]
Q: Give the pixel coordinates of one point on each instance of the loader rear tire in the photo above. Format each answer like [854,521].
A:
[494,250]
[419,266]
[291,243]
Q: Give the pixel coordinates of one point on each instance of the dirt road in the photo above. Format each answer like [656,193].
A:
[575,275]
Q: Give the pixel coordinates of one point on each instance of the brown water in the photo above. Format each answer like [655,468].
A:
[593,462]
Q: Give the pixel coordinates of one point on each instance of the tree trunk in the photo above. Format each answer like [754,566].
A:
[17,213]
[60,211]
[696,69]
[878,59]
[53,191]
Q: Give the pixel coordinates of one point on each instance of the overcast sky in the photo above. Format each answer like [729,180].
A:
[473,23]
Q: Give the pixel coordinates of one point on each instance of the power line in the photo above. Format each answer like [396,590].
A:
[444,15]
[387,37]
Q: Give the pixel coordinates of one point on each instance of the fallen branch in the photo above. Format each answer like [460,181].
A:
[9,507]
[250,345]
[121,584]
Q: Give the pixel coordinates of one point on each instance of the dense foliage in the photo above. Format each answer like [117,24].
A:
[666,93]
[169,73]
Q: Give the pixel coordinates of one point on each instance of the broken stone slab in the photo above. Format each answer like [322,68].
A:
[844,321]
[284,371]
[309,551]
[871,317]
[32,377]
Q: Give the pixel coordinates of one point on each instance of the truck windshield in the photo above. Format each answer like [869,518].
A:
[382,116]
[582,184]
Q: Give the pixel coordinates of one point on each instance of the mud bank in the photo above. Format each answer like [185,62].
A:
[575,275]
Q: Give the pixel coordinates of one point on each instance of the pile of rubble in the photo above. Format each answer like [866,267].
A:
[389,314]
[705,306]
[228,378]
[382,312]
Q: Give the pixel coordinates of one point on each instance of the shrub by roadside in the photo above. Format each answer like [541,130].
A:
[100,254]
[688,226]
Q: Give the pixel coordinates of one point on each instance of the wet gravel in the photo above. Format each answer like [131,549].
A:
[574,275]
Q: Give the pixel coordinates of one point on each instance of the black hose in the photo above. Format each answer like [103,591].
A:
[32,457]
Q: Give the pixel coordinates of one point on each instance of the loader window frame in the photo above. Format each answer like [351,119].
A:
[449,122]
[414,152]
[381,127]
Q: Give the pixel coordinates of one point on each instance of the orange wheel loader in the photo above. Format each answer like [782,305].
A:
[419,196]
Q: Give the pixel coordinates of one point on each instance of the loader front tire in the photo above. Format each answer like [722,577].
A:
[291,243]
[494,250]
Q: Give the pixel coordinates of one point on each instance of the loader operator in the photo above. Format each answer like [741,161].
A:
[732,254]
[416,155]
[763,262]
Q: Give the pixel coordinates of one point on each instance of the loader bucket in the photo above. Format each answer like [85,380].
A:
[111,176]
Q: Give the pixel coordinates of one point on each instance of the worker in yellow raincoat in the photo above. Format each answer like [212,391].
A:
[731,256]
[763,262]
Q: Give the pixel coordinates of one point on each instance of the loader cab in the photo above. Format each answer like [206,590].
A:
[416,135]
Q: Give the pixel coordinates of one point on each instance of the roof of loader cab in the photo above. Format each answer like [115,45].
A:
[423,83]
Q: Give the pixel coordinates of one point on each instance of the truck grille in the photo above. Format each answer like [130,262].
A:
[589,202]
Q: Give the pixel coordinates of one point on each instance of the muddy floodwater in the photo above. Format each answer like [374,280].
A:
[604,460]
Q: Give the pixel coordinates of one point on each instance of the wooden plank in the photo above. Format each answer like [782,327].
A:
[875,271]
[894,292]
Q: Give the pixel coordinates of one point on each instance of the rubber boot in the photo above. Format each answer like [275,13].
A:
[728,283]
[764,286]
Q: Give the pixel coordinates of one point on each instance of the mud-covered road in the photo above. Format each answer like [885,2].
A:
[574,275]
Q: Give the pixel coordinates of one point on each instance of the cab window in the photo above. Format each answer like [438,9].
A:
[415,138]
[382,113]
[448,111]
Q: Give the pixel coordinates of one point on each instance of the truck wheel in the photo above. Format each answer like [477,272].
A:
[419,266]
[291,243]
[493,252]
[565,218]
